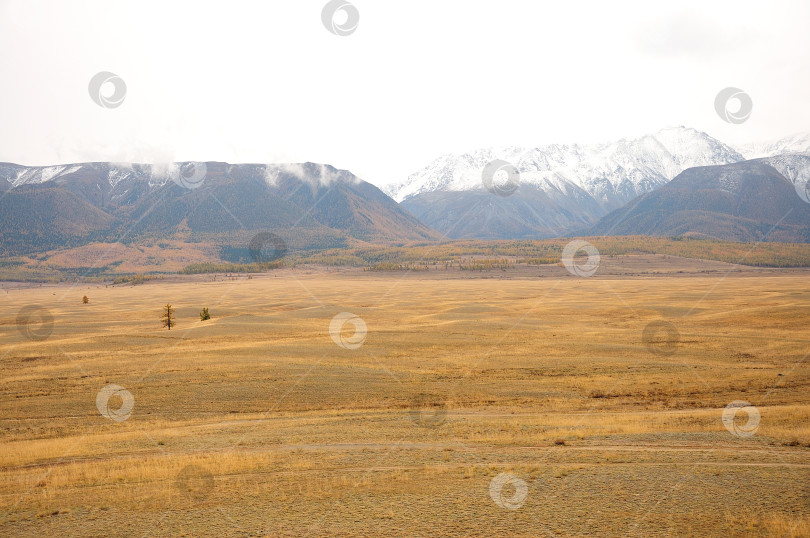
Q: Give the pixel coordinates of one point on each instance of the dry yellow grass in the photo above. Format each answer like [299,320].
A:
[257,423]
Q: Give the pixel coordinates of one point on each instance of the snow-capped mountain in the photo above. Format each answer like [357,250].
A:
[561,187]
[309,205]
[797,143]
[612,173]
[115,181]
[122,181]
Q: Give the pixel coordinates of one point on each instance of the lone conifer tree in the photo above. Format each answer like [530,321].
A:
[168,317]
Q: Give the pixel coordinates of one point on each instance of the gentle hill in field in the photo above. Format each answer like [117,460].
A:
[747,201]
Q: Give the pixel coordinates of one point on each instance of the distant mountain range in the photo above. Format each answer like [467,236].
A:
[563,189]
[308,205]
[798,143]
[622,188]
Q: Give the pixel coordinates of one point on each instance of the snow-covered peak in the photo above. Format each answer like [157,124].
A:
[610,172]
[797,143]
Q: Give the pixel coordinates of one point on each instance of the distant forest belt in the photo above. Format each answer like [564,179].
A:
[460,255]
[548,251]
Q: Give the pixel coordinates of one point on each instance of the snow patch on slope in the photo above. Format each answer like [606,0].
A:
[795,167]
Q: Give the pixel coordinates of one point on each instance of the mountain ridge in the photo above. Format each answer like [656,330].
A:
[638,161]
[795,143]
[306,203]
[748,201]
[561,187]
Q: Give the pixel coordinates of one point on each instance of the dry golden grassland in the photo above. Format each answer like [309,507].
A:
[257,422]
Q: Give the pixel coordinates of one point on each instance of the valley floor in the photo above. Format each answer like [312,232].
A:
[449,405]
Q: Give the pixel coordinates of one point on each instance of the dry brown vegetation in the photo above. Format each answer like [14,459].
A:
[256,423]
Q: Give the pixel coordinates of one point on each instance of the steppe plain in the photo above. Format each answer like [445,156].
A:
[525,402]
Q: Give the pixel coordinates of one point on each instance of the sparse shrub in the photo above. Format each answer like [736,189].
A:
[204,315]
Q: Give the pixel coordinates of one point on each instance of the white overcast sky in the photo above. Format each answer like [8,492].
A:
[264,81]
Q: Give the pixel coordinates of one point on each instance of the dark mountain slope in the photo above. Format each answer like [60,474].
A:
[741,202]
[308,204]
[530,212]
[43,217]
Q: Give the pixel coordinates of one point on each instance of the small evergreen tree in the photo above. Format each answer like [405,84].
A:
[204,315]
[168,317]
[85,300]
